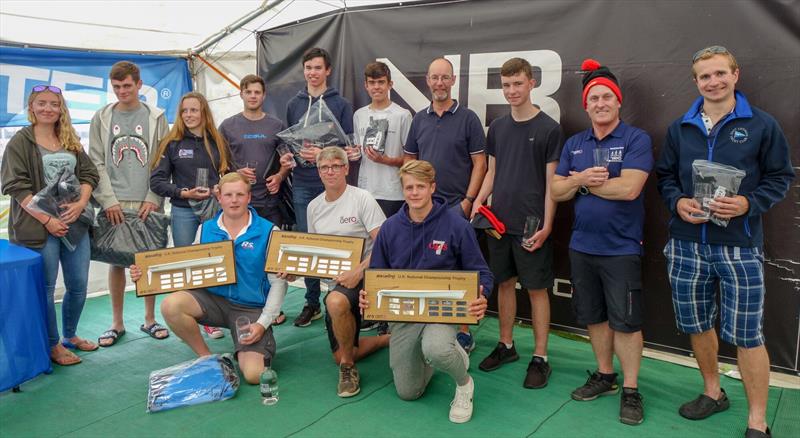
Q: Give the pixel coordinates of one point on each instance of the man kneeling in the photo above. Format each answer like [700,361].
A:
[344,210]
[255,294]
[425,234]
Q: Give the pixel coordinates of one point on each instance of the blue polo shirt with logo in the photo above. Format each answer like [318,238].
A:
[448,143]
[605,227]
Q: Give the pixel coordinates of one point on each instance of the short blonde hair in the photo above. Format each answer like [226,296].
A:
[332,153]
[232,178]
[419,169]
[712,51]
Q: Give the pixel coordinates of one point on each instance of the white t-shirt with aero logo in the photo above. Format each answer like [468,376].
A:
[354,214]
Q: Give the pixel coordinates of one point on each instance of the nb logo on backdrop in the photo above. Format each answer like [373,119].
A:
[478,94]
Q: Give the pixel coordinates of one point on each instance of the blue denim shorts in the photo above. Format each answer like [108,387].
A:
[696,270]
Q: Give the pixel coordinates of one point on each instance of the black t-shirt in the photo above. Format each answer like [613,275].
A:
[522,151]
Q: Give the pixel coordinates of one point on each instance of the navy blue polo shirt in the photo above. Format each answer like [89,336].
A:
[447,142]
[604,227]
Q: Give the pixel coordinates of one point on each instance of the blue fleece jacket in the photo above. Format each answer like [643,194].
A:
[443,241]
[250,253]
[748,139]
[296,110]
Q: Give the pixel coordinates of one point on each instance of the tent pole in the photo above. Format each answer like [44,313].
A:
[216,70]
[233,27]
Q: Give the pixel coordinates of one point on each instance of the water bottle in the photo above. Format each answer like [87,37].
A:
[269,385]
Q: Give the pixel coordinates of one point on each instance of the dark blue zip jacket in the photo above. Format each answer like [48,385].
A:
[296,110]
[442,242]
[250,253]
[748,139]
[177,168]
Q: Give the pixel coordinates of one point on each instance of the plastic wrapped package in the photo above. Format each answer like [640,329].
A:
[375,136]
[205,209]
[318,128]
[714,180]
[202,380]
[117,244]
[64,189]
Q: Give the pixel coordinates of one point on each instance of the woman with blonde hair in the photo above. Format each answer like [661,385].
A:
[33,158]
[193,144]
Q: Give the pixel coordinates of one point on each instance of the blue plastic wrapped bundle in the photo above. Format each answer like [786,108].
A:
[202,380]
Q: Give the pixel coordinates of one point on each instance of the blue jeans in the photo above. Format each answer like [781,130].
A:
[75,268]
[184,226]
[301,197]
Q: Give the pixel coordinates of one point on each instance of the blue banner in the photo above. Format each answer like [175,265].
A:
[84,78]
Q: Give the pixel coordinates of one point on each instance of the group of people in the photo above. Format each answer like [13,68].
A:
[412,204]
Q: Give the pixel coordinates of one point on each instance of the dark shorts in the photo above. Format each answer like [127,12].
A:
[607,288]
[352,298]
[508,259]
[219,312]
[389,208]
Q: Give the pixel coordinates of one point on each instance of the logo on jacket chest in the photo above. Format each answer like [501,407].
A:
[348,220]
[247,245]
[739,135]
[438,245]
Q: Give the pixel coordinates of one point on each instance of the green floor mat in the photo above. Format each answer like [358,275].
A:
[105,396]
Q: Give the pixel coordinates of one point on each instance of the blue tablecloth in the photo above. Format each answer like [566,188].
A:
[24,351]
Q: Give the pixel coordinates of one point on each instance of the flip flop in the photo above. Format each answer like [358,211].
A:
[280,319]
[66,359]
[82,345]
[153,329]
[112,334]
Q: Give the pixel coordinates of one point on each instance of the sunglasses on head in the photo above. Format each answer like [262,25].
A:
[716,50]
[51,88]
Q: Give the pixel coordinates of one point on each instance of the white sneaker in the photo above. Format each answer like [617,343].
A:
[213,332]
[461,406]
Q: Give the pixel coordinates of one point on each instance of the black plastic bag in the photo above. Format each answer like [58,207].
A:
[117,244]
[64,189]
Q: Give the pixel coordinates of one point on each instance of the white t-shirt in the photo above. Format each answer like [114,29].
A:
[380,179]
[354,214]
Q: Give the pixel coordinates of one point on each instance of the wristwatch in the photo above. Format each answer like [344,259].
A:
[583,190]
[471,199]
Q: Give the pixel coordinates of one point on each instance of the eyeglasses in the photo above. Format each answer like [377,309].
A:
[716,50]
[443,78]
[336,168]
[51,88]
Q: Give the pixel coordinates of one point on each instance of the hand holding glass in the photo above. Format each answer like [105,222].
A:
[201,183]
[252,166]
[601,157]
[531,226]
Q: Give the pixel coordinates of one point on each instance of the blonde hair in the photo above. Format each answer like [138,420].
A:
[209,130]
[419,169]
[332,153]
[64,130]
[710,52]
[232,178]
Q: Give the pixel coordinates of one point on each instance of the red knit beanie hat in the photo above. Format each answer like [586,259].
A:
[595,74]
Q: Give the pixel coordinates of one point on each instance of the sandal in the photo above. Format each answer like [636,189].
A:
[82,345]
[280,319]
[66,359]
[153,329]
[112,334]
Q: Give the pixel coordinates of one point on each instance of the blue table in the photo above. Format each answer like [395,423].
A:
[24,350]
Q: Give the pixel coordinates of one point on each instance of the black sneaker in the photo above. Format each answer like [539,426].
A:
[383,328]
[704,406]
[307,315]
[594,387]
[755,433]
[538,373]
[498,357]
[631,408]
[368,325]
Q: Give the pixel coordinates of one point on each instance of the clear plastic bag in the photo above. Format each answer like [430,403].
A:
[202,380]
[64,189]
[205,209]
[117,244]
[318,128]
[714,180]
[375,136]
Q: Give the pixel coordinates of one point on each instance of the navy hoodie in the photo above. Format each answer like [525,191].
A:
[748,139]
[177,168]
[296,110]
[443,241]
